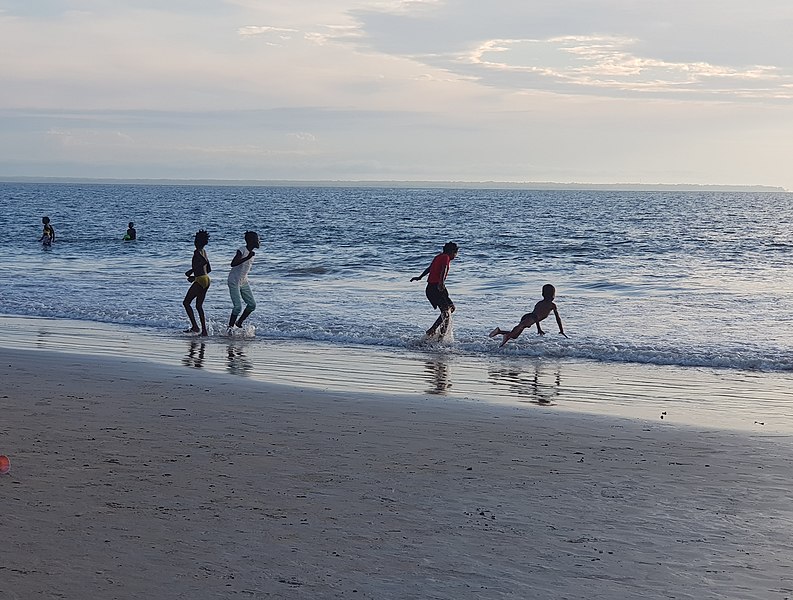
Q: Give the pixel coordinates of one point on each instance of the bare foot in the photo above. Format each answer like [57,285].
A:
[204,333]
[192,330]
[495,332]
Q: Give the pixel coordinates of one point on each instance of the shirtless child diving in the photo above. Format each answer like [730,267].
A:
[541,310]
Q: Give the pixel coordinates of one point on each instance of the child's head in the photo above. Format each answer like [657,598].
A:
[450,248]
[45,220]
[548,292]
[201,238]
[251,239]
[131,225]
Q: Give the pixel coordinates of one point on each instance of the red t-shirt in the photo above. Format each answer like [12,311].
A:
[438,268]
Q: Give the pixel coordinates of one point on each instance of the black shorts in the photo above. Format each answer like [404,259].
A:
[530,315]
[438,296]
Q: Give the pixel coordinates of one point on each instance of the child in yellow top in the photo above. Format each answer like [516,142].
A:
[48,234]
[198,276]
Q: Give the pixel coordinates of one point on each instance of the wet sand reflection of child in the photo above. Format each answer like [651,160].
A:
[438,375]
[195,355]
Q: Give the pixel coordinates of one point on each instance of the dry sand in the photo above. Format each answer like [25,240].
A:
[135,480]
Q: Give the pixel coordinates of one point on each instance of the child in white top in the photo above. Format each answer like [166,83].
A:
[239,288]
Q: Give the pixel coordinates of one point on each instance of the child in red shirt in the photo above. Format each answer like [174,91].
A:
[436,290]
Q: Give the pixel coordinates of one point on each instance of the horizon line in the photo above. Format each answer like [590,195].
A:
[463,184]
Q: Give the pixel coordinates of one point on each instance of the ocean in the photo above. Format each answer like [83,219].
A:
[697,281]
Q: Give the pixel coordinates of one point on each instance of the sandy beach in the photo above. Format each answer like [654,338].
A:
[131,479]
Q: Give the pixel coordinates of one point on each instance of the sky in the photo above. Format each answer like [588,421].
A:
[587,91]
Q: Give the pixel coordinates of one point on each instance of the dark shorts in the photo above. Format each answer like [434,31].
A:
[438,296]
[530,315]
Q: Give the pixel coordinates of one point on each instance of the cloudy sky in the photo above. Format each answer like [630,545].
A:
[643,91]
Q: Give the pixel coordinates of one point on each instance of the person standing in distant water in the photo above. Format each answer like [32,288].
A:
[198,275]
[541,310]
[436,290]
[239,288]
[131,234]
[48,234]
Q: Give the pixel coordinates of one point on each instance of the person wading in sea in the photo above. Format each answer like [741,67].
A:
[436,290]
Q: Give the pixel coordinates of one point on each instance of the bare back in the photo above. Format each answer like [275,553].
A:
[543,308]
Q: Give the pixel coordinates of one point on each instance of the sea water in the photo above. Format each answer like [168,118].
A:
[698,279]
[678,305]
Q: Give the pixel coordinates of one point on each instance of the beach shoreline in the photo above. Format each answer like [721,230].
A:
[131,478]
[728,399]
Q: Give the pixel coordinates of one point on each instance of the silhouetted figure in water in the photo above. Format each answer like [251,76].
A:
[48,233]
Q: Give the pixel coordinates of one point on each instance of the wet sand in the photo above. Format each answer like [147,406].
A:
[131,479]
[729,399]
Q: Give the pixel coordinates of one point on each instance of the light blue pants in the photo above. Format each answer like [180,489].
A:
[239,293]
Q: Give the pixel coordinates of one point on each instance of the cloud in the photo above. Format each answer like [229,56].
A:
[319,34]
[90,138]
[725,50]
[304,136]
[282,33]
[326,34]
[608,64]
[405,7]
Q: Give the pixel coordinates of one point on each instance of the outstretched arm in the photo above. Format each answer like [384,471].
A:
[559,322]
[427,270]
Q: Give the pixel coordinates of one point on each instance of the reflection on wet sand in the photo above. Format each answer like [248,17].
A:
[195,355]
[437,371]
[541,385]
[42,336]
[238,363]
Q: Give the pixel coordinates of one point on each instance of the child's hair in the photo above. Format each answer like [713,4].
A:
[201,238]
[449,248]
[45,220]
[548,291]
[251,236]
[131,225]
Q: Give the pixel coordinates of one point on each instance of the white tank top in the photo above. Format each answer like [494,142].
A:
[239,274]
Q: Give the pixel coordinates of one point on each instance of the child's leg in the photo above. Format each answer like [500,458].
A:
[497,331]
[236,304]
[199,305]
[517,330]
[250,303]
[188,299]
[435,325]
[445,319]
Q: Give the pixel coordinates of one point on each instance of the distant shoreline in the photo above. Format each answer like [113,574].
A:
[517,185]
